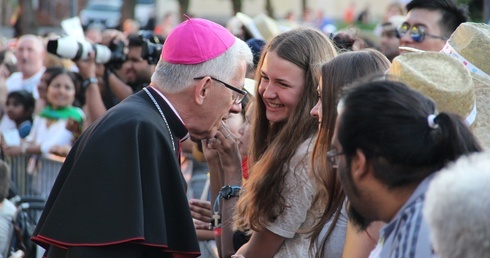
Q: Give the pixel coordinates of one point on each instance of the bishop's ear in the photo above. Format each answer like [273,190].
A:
[202,90]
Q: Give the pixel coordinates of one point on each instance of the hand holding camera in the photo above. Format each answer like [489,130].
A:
[87,67]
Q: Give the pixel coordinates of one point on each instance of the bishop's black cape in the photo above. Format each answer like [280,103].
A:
[121,183]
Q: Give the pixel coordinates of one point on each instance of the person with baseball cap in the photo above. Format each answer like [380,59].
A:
[120,192]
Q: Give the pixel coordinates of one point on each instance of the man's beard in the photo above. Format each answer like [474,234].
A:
[360,222]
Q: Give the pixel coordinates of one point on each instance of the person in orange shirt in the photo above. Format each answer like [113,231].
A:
[349,13]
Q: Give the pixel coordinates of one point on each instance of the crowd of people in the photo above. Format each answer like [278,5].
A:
[262,139]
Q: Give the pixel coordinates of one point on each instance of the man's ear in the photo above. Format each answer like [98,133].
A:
[202,90]
[359,165]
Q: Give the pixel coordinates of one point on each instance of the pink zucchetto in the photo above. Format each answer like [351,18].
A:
[195,41]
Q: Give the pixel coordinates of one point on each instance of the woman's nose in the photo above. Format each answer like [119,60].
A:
[314,110]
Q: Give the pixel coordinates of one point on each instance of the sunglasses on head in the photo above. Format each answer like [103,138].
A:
[417,32]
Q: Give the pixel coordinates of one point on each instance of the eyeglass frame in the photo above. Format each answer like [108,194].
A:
[238,99]
[421,31]
[333,157]
[389,33]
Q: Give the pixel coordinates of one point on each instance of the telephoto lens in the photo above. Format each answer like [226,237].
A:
[69,47]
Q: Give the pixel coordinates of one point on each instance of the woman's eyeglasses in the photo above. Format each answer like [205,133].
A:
[238,95]
[417,32]
[333,157]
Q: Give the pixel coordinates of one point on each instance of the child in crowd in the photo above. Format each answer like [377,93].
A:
[19,108]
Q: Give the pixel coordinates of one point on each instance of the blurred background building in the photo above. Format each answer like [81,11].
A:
[42,15]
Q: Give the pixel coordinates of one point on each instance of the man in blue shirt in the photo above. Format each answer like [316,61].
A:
[388,144]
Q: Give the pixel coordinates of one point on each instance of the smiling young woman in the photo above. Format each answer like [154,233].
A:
[49,127]
[277,201]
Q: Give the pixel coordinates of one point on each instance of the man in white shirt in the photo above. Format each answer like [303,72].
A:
[30,55]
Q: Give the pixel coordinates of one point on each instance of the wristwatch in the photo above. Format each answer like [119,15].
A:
[228,191]
[89,81]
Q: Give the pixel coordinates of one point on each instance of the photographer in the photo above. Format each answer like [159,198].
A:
[103,87]
[141,69]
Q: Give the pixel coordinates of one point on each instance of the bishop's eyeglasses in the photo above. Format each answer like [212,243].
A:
[238,95]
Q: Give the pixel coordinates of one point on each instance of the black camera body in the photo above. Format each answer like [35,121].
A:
[118,55]
[151,47]
[151,52]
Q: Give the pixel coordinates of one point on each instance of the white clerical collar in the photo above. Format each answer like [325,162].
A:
[173,109]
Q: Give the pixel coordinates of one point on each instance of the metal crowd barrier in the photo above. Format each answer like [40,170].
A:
[34,175]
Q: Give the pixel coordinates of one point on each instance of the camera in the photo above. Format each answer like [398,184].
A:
[151,47]
[68,47]
[151,52]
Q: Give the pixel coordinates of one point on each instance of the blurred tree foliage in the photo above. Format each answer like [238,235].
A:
[27,23]
[237,6]
[128,10]
[475,9]
[183,8]
[269,9]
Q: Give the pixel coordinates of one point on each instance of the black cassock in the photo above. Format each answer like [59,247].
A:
[121,183]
